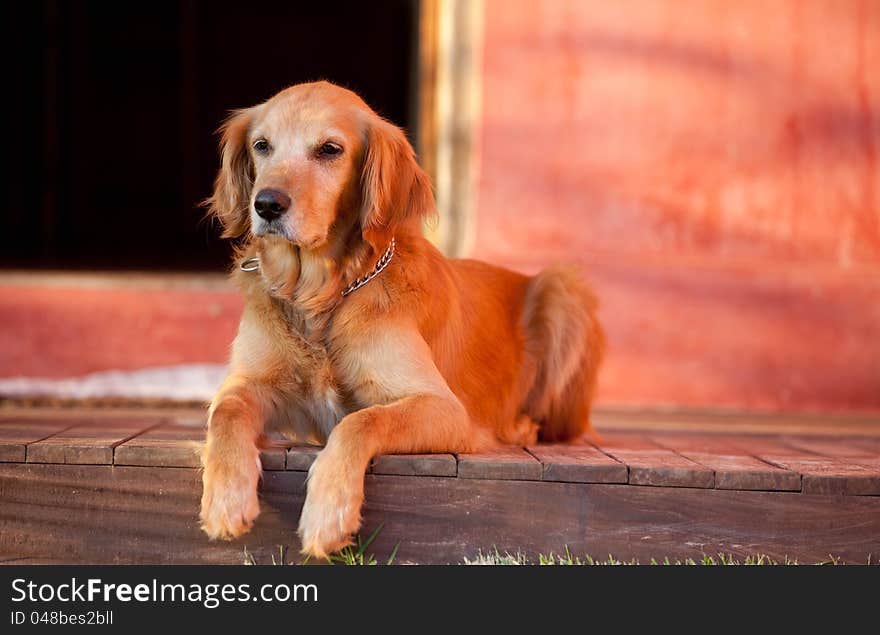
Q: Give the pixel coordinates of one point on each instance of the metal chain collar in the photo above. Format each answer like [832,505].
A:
[380,265]
[253,264]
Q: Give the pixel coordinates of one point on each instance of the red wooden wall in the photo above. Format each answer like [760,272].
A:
[714,166]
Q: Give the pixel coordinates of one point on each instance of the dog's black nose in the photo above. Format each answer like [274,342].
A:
[270,204]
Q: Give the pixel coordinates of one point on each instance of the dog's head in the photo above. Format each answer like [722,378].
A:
[315,165]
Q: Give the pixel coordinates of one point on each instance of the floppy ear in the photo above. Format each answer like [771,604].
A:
[230,201]
[396,191]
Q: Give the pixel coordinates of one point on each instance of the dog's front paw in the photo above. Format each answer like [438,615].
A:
[332,511]
[229,495]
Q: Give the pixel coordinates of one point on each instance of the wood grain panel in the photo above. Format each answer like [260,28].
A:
[168,445]
[508,463]
[415,465]
[651,464]
[17,433]
[830,476]
[273,455]
[711,421]
[577,463]
[820,474]
[300,457]
[107,515]
[734,469]
[90,442]
[841,448]
[103,514]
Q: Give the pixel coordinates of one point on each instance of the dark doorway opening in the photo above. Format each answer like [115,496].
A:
[110,142]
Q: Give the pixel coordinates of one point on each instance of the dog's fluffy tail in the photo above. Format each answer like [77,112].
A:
[566,344]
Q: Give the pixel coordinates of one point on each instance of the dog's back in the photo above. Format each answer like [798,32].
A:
[521,353]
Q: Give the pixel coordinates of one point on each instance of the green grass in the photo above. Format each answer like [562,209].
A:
[357,555]
[249,558]
[566,558]
[354,555]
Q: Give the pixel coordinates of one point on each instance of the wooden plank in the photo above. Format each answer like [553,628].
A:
[708,421]
[273,456]
[720,444]
[103,514]
[173,444]
[759,445]
[179,444]
[16,433]
[577,463]
[301,457]
[651,464]
[415,465]
[89,443]
[820,474]
[840,448]
[833,476]
[747,473]
[503,463]
[734,469]
[861,452]
[600,519]
[87,514]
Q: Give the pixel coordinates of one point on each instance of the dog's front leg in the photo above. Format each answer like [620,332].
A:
[420,423]
[231,459]
[415,412]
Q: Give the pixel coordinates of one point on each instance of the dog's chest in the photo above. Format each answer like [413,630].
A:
[317,400]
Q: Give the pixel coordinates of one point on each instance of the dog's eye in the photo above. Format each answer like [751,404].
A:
[261,146]
[329,150]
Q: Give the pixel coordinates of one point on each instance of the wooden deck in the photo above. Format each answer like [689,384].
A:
[123,487]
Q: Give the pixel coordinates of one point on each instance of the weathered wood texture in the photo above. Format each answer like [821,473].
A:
[16,434]
[807,462]
[733,467]
[91,442]
[274,452]
[578,463]
[168,445]
[415,465]
[651,464]
[105,514]
[301,457]
[501,463]
[802,496]
[820,474]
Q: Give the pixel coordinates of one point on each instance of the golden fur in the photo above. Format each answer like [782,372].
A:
[433,355]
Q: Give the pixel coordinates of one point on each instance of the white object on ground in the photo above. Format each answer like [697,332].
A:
[187,382]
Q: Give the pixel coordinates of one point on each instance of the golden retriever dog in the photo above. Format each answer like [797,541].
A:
[357,333]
